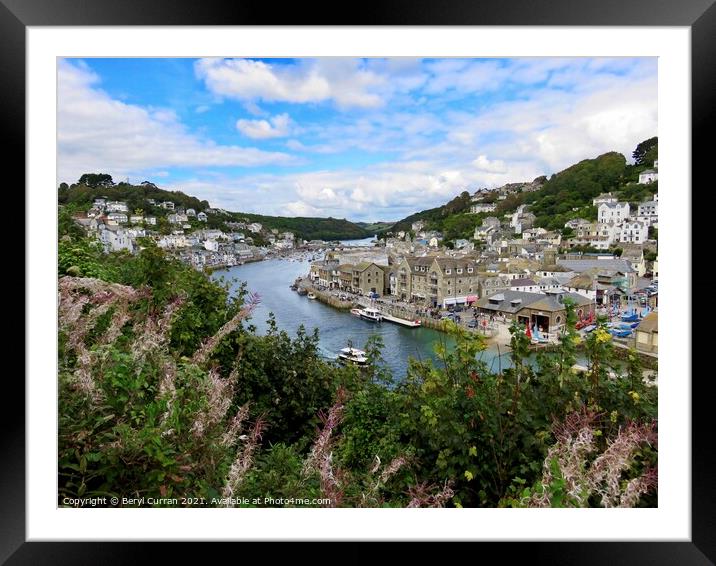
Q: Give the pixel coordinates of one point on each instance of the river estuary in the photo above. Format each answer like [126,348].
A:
[271,280]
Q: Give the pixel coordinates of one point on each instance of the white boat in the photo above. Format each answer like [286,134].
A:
[311,296]
[355,312]
[353,356]
[370,314]
[403,322]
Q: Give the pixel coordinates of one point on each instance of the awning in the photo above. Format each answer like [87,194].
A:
[471,298]
[450,301]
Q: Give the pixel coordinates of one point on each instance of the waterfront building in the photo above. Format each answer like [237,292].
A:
[492,284]
[438,281]
[646,337]
[547,311]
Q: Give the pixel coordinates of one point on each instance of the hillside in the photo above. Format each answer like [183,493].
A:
[92,186]
[375,227]
[82,195]
[565,195]
[436,217]
[308,228]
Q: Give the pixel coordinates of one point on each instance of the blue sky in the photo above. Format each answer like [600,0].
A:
[364,139]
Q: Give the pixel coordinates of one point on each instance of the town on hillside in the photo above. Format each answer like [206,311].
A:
[509,271]
[513,272]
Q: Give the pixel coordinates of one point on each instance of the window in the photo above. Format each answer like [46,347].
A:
[469,270]
[459,270]
[447,272]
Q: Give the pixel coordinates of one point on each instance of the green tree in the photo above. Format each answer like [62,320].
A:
[96,180]
[646,152]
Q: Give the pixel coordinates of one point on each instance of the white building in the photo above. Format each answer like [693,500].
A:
[116,206]
[173,241]
[136,219]
[523,284]
[190,212]
[648,176]
[116,239]
[576,223]
[634,232]
[483,207]
[613,213]
[177,218]
[201,217]
[648,212]
[211,245]
[255,227]
[167,204]
[604,198]
[118,217]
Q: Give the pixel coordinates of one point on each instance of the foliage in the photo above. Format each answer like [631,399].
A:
[283,378]
[96,180]
[434,217]
[623,470]
[307,228]
[166,389]
[646,152]
[91,186]
[566,195]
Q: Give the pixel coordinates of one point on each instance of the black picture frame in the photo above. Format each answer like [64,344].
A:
[699,15]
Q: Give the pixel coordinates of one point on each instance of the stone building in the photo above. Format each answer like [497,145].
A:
[547,311]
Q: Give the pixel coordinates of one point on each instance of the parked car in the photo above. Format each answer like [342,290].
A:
[472,323]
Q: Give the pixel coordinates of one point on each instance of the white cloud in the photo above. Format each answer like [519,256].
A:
[345,81]
[386,191]
[99,133]
[275,127]
[537,117]
[484,164]
[300,208]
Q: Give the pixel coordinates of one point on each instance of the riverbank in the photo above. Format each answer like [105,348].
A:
[326,297]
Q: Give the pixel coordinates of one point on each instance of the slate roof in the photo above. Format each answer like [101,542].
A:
[582,265]
[503,302]
[650,323]
[522,282]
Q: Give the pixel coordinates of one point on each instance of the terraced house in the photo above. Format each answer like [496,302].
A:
[437,281]
[363,278]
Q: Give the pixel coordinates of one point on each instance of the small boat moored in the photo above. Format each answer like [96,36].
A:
[311,296]
[370,314]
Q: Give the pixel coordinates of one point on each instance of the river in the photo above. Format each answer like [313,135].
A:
[271,280]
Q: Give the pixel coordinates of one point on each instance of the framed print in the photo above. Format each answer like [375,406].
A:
[461,202]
